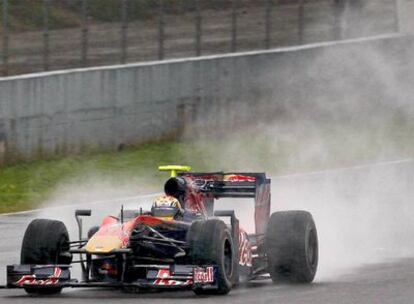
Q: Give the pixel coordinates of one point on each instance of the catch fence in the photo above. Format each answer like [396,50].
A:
[43,35]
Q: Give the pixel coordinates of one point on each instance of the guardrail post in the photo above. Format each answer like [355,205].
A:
[235,6]
[161,34]
[124,31]
[46,35]
[5,38]
[85,30]
[268,23]
[198,20]
[397,26]
[339,13]
[301,21]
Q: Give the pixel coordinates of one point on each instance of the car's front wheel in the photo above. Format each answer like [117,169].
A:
[211,244]
[45,242]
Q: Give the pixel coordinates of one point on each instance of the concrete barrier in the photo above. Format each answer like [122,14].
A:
[108,107]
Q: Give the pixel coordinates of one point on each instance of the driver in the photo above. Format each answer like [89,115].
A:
[167,207]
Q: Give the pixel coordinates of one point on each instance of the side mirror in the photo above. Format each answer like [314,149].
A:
[83,212]
[78,214]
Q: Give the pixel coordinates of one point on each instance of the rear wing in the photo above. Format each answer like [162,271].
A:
[236,185]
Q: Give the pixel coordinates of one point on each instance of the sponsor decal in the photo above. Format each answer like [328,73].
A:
[167,282]
[164,278]
[239,178]
[32,280]
[203,275]
[164,274]
[245,250]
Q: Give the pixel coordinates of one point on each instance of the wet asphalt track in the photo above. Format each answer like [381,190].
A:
[391,283]
[389,280]
[379,283]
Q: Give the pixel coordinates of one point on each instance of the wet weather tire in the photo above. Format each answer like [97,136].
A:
[291,242]
[45,242]
[211,244]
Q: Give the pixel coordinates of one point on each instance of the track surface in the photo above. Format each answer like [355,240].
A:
[382,273]
[388,283]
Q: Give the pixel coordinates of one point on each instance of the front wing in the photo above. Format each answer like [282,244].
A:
[155,276]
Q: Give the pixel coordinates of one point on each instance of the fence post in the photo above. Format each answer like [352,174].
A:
[85,30]
[46,35]
[339,11]
[198,21]
[397,23]
[268,24]
[161,34]
[124,31]
[301,21]
[235,6]
[5,38]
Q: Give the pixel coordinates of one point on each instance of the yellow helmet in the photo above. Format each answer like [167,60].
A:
[166,201]
[167,207]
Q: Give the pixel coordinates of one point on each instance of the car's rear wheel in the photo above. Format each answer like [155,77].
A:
[45,242]
[211,244]
[291,242]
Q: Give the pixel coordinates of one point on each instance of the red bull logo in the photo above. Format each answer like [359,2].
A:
[203,275]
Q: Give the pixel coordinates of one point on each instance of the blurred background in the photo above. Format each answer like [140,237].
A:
[329,84]
[324,84]
[43,35]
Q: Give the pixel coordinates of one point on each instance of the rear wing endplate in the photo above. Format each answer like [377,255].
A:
[238,185]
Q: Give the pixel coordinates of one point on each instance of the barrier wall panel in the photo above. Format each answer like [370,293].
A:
[104,108]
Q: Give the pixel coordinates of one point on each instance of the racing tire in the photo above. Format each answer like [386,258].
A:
[210,243]
[45,242]
[291,243]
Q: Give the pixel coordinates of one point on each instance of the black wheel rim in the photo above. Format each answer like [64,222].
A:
[228,258]
[312,251]
[63,246]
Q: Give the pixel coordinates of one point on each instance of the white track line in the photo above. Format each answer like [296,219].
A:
[121,199]
[350,168]
[311,173]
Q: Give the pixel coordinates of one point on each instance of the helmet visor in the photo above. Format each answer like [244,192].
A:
[164,211]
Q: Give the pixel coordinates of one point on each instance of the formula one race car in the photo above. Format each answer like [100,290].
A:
[182,243]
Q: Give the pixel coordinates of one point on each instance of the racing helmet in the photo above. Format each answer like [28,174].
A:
[166,206]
